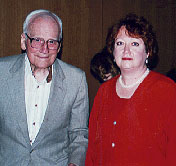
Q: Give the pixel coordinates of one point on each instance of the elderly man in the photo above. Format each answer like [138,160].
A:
[43,101]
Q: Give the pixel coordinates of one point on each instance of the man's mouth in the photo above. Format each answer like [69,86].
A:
[43,57]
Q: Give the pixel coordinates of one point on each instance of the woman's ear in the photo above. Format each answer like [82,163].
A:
[23,41]
[147,54]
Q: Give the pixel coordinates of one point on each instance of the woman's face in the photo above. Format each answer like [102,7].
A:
[129,52]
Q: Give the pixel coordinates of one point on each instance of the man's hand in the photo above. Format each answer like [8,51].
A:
[71,164]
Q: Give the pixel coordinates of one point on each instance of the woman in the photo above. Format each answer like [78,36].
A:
[133,119]
[102,66]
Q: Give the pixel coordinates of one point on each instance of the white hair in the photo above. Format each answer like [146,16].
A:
[39,12]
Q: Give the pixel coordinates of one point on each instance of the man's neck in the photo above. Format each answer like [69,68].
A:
[40,74]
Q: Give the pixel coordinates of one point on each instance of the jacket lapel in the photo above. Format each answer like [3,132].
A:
[15,84]
[57,94]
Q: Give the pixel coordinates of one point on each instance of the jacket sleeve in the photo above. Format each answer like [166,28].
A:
[78,128]
[171,132]
[93,129]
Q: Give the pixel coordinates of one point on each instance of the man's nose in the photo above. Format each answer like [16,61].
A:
[44,49]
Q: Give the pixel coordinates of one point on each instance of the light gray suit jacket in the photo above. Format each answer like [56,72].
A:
[63,135]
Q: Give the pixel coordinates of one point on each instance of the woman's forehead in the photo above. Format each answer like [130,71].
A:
[124,31]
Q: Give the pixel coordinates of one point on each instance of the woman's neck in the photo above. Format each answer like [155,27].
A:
[129,77]
[128,88]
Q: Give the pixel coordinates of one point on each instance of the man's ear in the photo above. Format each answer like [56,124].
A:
[23,41]
[59,47]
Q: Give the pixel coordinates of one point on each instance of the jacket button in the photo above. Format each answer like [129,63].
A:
[113,144]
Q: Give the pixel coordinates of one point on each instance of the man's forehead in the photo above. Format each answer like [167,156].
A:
[41,19]
[41,22]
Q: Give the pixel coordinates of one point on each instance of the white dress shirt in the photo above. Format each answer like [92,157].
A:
[36,99]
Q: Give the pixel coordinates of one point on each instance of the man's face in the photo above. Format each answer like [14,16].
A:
[46,28]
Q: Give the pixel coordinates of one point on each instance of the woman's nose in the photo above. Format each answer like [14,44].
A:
[127,49]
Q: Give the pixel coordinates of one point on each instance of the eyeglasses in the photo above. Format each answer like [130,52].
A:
[39,42]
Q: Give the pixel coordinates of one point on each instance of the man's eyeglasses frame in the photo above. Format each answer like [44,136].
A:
[43,42]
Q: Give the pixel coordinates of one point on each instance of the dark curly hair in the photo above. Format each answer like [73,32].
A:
[101,64]
[137,27]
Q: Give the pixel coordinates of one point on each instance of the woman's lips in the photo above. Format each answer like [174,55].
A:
[127,59]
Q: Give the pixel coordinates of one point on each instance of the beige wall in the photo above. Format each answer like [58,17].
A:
[85,25]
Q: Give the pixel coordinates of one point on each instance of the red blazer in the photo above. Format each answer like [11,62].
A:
[140,131]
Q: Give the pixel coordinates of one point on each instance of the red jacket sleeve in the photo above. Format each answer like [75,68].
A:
[171,135]
[91,152]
